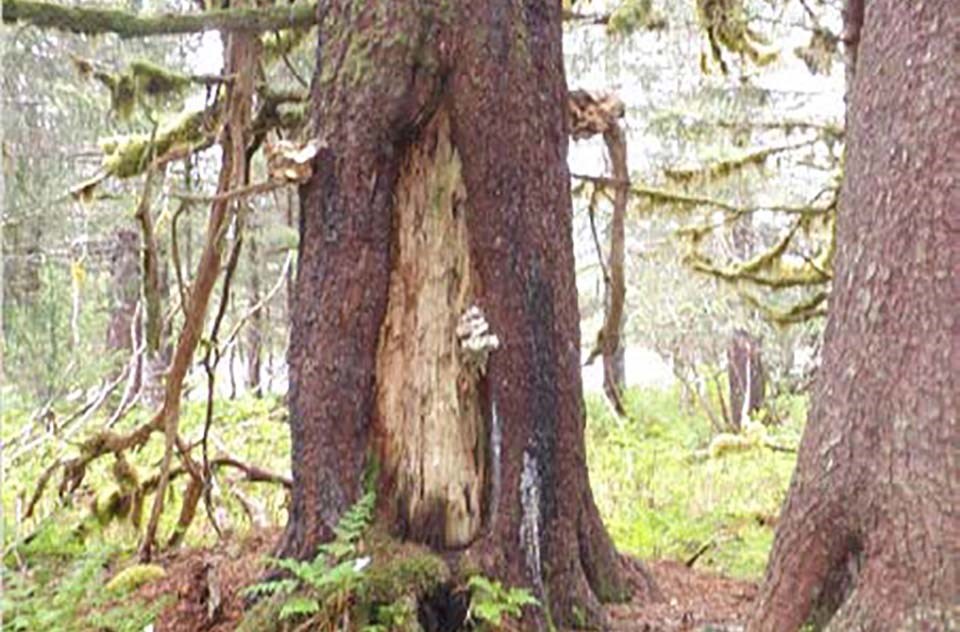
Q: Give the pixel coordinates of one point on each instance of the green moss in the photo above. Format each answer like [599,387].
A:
[282,43]
[125,156]
[609,590]
[123,96]
[109,504]
[129,579]
[358,62]
[633,15]
[294,115]
[97,21]
[402,569]
[155,81]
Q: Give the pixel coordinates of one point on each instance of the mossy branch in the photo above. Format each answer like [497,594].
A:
[678,198]
[721,168]
[800,312]
[90,21]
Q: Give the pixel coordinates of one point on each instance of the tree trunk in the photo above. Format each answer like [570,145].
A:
[869,537]
[125,292]
[442,184]
[746,377]
[255,326]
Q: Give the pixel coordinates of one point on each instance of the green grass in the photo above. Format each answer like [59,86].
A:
[659,501]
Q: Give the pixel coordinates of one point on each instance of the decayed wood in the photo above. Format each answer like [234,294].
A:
[497,72]
[430,426]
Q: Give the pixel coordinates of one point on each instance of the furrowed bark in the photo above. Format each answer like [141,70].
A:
[868,538]
[441,183]
[363,109]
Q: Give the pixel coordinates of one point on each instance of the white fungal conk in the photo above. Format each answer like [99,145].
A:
[475,337]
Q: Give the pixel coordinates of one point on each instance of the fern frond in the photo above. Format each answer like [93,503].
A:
[270,587]
[299,606]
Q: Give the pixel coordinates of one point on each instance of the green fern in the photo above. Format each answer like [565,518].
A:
[271,587]
[356,520]
[490,601]
[330,578]
[299,606]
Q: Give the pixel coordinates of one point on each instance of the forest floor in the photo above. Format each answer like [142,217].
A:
[692,600]
[664,492]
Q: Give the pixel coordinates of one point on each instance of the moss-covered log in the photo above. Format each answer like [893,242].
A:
[91,21]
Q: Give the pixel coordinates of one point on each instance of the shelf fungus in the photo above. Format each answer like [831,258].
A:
[291,162]
[476,340]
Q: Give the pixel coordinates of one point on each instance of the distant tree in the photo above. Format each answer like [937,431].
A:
[441,185]
[869,537]
[746,377]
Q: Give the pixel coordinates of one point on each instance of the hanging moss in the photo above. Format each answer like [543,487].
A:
[634,15]
[123,96]
[155,81]
[293,116]
[722,168]
[727,26]
[284,42]
[800,312]
[143,81]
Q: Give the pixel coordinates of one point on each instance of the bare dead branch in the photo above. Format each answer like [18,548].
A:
[258,188]
[242,52]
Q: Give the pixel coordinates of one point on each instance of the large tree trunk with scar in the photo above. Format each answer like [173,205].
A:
[869,538]
[441,185]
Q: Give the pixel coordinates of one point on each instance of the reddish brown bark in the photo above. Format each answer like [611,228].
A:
[388,76]
[869,538]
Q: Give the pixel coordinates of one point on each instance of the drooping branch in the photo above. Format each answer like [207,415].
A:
[91,21]
[768,268]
